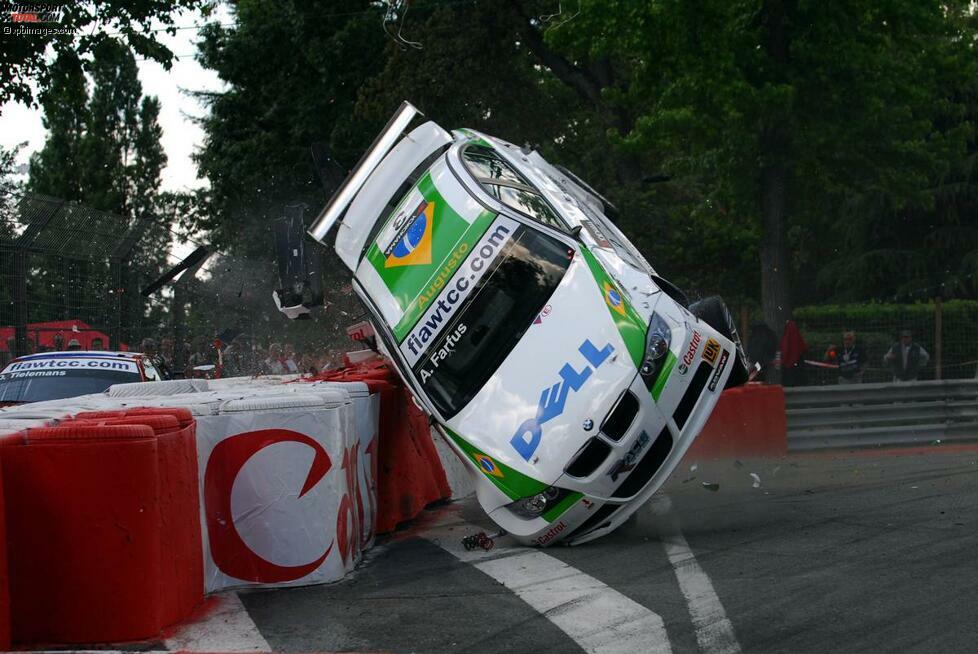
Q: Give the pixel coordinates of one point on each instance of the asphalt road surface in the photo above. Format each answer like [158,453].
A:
[844,552]
[840,552]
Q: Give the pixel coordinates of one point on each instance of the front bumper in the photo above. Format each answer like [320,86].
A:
[645,455]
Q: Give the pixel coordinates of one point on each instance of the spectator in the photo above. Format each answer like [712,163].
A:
[793,348]
[274,364]
[74,345]
[166,351]
[290,359]
[148,346]
[200,356]
[906,358]
[97,344]
[239,358]
[59,342]
[851,359]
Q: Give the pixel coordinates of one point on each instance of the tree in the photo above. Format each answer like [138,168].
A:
[57,169]
[82,28]
[102,150]
[791,109]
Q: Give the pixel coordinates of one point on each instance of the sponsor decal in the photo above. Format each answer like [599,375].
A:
[715,379]
[553,398]
[613,298]
[599,238]
[711,350]
[588,504]
[627,462]
[230,552]
[33,373]
[123,365]
[411,245]
[446,350]
[552,533]
[488,466]
[694,345]
[459,287]
[360,331]
[543,314]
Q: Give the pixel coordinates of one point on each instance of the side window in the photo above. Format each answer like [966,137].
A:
[502,182]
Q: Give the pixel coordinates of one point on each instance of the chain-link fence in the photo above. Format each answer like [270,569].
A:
[945,332]
[72,273]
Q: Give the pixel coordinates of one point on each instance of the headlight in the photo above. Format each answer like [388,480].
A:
[657,342]
[535,505]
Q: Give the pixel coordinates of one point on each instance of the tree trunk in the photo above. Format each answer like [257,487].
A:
[775,297]
[776,174]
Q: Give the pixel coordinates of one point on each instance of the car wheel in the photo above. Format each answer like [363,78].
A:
[714,312]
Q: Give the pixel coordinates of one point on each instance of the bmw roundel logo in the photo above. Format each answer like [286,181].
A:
[588,424]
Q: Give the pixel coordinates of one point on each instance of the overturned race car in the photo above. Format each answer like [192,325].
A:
[564,372]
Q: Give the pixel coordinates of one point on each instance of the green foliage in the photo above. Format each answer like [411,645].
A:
[676,111]
[85,27]
[293,71]
[103,152]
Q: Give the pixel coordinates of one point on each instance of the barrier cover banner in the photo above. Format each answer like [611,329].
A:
[281,499]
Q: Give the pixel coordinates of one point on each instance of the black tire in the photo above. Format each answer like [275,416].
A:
[714,312]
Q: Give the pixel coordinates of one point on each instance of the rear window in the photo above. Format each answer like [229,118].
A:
[485,330]
[53,379]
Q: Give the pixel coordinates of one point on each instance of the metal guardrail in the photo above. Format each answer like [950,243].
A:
[874,415]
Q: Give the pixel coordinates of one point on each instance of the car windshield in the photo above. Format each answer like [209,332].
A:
[54,379]
[496,315]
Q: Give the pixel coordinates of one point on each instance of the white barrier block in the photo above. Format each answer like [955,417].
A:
[257,456]
[156,388]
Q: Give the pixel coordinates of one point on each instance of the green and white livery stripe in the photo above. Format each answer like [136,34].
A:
[663,378]
[444,298]
[450,217]
[513,484]
[426,296]
[630,325]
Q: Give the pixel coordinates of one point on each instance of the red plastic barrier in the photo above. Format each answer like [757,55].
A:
[83,525]
[181,563]
[410,475]
[6,441]
[747,421]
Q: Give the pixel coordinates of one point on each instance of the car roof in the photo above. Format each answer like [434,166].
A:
[88,354]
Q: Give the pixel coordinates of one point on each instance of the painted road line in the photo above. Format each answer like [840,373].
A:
[714,632]
[226,627]
[597,617]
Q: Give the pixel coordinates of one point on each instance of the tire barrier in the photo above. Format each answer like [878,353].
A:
[410,475]
[747,421]
[7,440]
[84,542]
[132,504]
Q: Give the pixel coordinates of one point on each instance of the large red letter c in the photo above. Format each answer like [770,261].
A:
[229,551]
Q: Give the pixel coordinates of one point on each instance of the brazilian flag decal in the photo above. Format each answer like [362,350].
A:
[630,325]
[512,483]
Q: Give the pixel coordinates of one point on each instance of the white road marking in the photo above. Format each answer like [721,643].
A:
[714,632]
[597,617]
[228,628]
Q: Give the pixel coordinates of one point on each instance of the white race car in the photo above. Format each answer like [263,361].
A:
[566,374]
